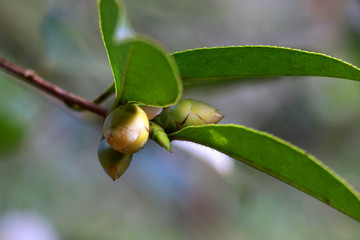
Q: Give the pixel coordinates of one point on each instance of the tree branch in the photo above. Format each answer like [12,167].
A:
[68,98]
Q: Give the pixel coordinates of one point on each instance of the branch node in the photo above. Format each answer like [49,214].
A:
[29,74]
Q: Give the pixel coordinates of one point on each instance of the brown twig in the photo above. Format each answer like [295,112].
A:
[68,98]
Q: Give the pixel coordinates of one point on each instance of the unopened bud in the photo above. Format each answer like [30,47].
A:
[158,134]
[114,163]
[126,129]
[187,112]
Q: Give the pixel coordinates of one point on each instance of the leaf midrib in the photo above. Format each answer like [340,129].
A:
[125,73]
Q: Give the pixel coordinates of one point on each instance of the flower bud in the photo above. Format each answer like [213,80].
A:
[158,134]
[113,162]
[187,112]
[126,129]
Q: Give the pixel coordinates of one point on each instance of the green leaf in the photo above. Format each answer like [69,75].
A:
[143,71]
[200,66]
[150,76]
[279,159]
[113,22]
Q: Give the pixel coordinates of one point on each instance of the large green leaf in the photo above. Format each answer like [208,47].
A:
[143,71]
[279,159]
[200,66]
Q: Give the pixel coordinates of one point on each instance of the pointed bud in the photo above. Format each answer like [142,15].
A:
[113,162]
[126,129]
[187,112]
[158,134]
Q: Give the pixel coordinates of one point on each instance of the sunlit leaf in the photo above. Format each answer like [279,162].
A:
[279,159]
[200,66]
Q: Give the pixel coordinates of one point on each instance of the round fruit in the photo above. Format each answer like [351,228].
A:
[126,129]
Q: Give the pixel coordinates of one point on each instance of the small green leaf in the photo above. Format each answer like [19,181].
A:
[143,71]
[150,76]
[279,159]
[200,66]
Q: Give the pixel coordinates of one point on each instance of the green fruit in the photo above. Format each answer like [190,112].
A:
[113,162]
[187,112]
[126,129]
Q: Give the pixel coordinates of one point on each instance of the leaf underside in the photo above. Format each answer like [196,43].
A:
[279,159]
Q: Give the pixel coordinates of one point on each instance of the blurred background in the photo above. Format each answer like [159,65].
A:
[52,186]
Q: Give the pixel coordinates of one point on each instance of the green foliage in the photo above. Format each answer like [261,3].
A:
[145,74]
[200,66]
[222,64]
[279,159]
[143,71]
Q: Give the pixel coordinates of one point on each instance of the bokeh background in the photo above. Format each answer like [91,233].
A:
[52,186]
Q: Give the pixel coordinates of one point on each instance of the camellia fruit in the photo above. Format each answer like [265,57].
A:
[114,163]
[187,112]
[126,129]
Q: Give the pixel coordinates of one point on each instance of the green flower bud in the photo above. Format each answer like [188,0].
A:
[187,112]
[158,134]
[113,162]
[126,129]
